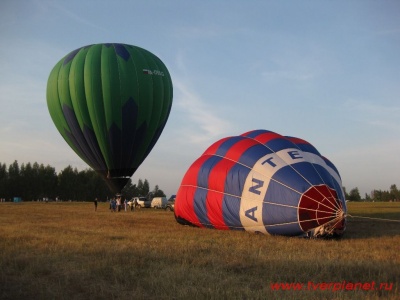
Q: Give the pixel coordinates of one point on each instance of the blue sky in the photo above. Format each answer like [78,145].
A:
[324,71]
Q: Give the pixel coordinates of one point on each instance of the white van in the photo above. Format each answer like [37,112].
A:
[159,202]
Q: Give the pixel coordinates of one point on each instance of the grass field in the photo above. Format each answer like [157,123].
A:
[69,251]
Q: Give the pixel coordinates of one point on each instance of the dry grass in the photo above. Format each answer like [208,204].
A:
[68,251]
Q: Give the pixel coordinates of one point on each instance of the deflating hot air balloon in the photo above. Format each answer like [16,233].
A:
[110,102]
[263,182]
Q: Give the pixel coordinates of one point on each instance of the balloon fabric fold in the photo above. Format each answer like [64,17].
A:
[263,182]
[110,102]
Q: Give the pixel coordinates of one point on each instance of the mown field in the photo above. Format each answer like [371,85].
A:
[69,251]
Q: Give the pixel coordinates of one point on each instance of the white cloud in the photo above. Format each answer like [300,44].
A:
[204,125]
[199,121]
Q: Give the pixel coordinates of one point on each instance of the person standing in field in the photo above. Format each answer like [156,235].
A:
[95,204]
[119,204]
[113,205]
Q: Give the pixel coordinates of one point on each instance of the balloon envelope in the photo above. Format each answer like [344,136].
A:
[110,102]
[263,182]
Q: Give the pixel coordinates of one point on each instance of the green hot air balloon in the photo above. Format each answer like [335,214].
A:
[110,102]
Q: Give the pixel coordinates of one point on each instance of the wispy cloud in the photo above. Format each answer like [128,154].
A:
[291,63]
[204,125]
[68,13]
[204,31]
[286,75]
[376,114]
[373,108]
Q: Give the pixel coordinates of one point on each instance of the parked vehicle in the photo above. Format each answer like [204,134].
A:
[138,202]
[159,202]
[171,203]
[143,202]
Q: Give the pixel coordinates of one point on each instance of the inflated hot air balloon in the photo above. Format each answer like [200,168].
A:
[110,102]
[263,182]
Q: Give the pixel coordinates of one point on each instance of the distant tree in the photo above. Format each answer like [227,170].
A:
[143,187]
[83,189]
[32,182]
[157,192]
[4,192]
[130,190]
[140,188]
[379,195]
[146,187]
[14,180]
[67,183]
[29,182]
[49,181]
[394,192]
[97,187]
[367,197]
[354,195]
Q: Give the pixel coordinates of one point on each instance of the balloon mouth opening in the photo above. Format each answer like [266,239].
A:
[115,183]
[321,212]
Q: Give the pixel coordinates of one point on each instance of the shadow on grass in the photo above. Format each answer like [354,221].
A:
[360,228]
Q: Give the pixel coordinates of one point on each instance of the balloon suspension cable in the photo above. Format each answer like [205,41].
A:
[370,218]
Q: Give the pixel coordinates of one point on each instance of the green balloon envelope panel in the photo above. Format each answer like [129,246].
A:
[110,102]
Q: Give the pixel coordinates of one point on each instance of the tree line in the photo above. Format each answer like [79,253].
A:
[38,182]
[393,194]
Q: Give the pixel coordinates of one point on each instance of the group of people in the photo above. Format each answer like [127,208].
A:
[115,204]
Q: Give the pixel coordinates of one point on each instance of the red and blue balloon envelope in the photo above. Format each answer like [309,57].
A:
[263,182]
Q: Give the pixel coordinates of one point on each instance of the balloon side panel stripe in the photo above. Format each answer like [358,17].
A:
[214,208]
[276,214]
[214,147]
[227,145]
[235,174]
[190,178]
[76,136]
[231,212]
[304,146]
[200,207]
[129,113]
[253,154]
[110,87]
[78,97]
[205,170]
[264,136]
[279,144]
[254,133]
[184,204]
[94,97]
[235,180]
[200,196]
[214,204]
